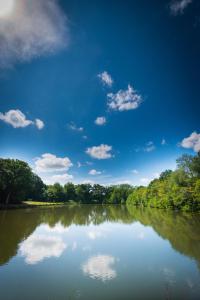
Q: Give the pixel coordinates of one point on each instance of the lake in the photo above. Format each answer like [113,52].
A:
[99,252]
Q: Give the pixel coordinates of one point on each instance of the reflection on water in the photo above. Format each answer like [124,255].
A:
[100,267]
[112,252]
[39,246]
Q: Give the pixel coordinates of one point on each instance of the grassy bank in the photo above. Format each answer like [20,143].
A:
[39,203]
[31,204]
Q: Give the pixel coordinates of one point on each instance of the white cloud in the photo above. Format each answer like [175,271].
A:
[106,78]
[178,6]
[163,142]
[192,142]
[94,172]
[16,118]
[39,123]
[30,29]
[60,178]
[124,99]
[100,152]
[74,127]
[37,247]
[100,121]
[6,7]
[100,267]
[51,163]
[149,147]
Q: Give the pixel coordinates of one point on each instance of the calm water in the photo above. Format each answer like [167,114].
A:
[94,252]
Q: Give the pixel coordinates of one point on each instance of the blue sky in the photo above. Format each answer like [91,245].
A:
[99,91]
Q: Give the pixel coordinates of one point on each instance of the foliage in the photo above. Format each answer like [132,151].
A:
[120,194]
[16,180]
[179,189]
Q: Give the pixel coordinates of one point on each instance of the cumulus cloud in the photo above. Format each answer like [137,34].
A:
[163,142]
[106,78]
[178,6]
[51,163]
[60,178]
[94,172]
[100,121]
[100,152]
[17,119]
[39,124]
[74,127]
[30,29]
[124,99]
[100,267]
[192,142]
[38,247]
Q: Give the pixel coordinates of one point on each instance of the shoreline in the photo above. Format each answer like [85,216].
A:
[30,204]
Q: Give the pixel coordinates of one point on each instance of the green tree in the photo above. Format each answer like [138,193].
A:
[37,189]
[83,193]
[70,191]
[55,193]
[196,165]
[15,180]
[120,193]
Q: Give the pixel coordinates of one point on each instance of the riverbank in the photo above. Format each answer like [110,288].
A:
[31,204]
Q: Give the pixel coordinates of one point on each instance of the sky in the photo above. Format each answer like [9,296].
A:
[99,91]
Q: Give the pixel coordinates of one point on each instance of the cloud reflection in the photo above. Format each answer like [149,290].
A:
[100,267]
[38,247]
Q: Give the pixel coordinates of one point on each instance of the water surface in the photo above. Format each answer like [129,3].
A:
[99,252]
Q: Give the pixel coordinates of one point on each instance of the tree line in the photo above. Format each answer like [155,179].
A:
[179,189]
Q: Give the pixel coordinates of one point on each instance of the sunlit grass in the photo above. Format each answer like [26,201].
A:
[39,203]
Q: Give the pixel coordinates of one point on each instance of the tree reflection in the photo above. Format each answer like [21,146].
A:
[182,230]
